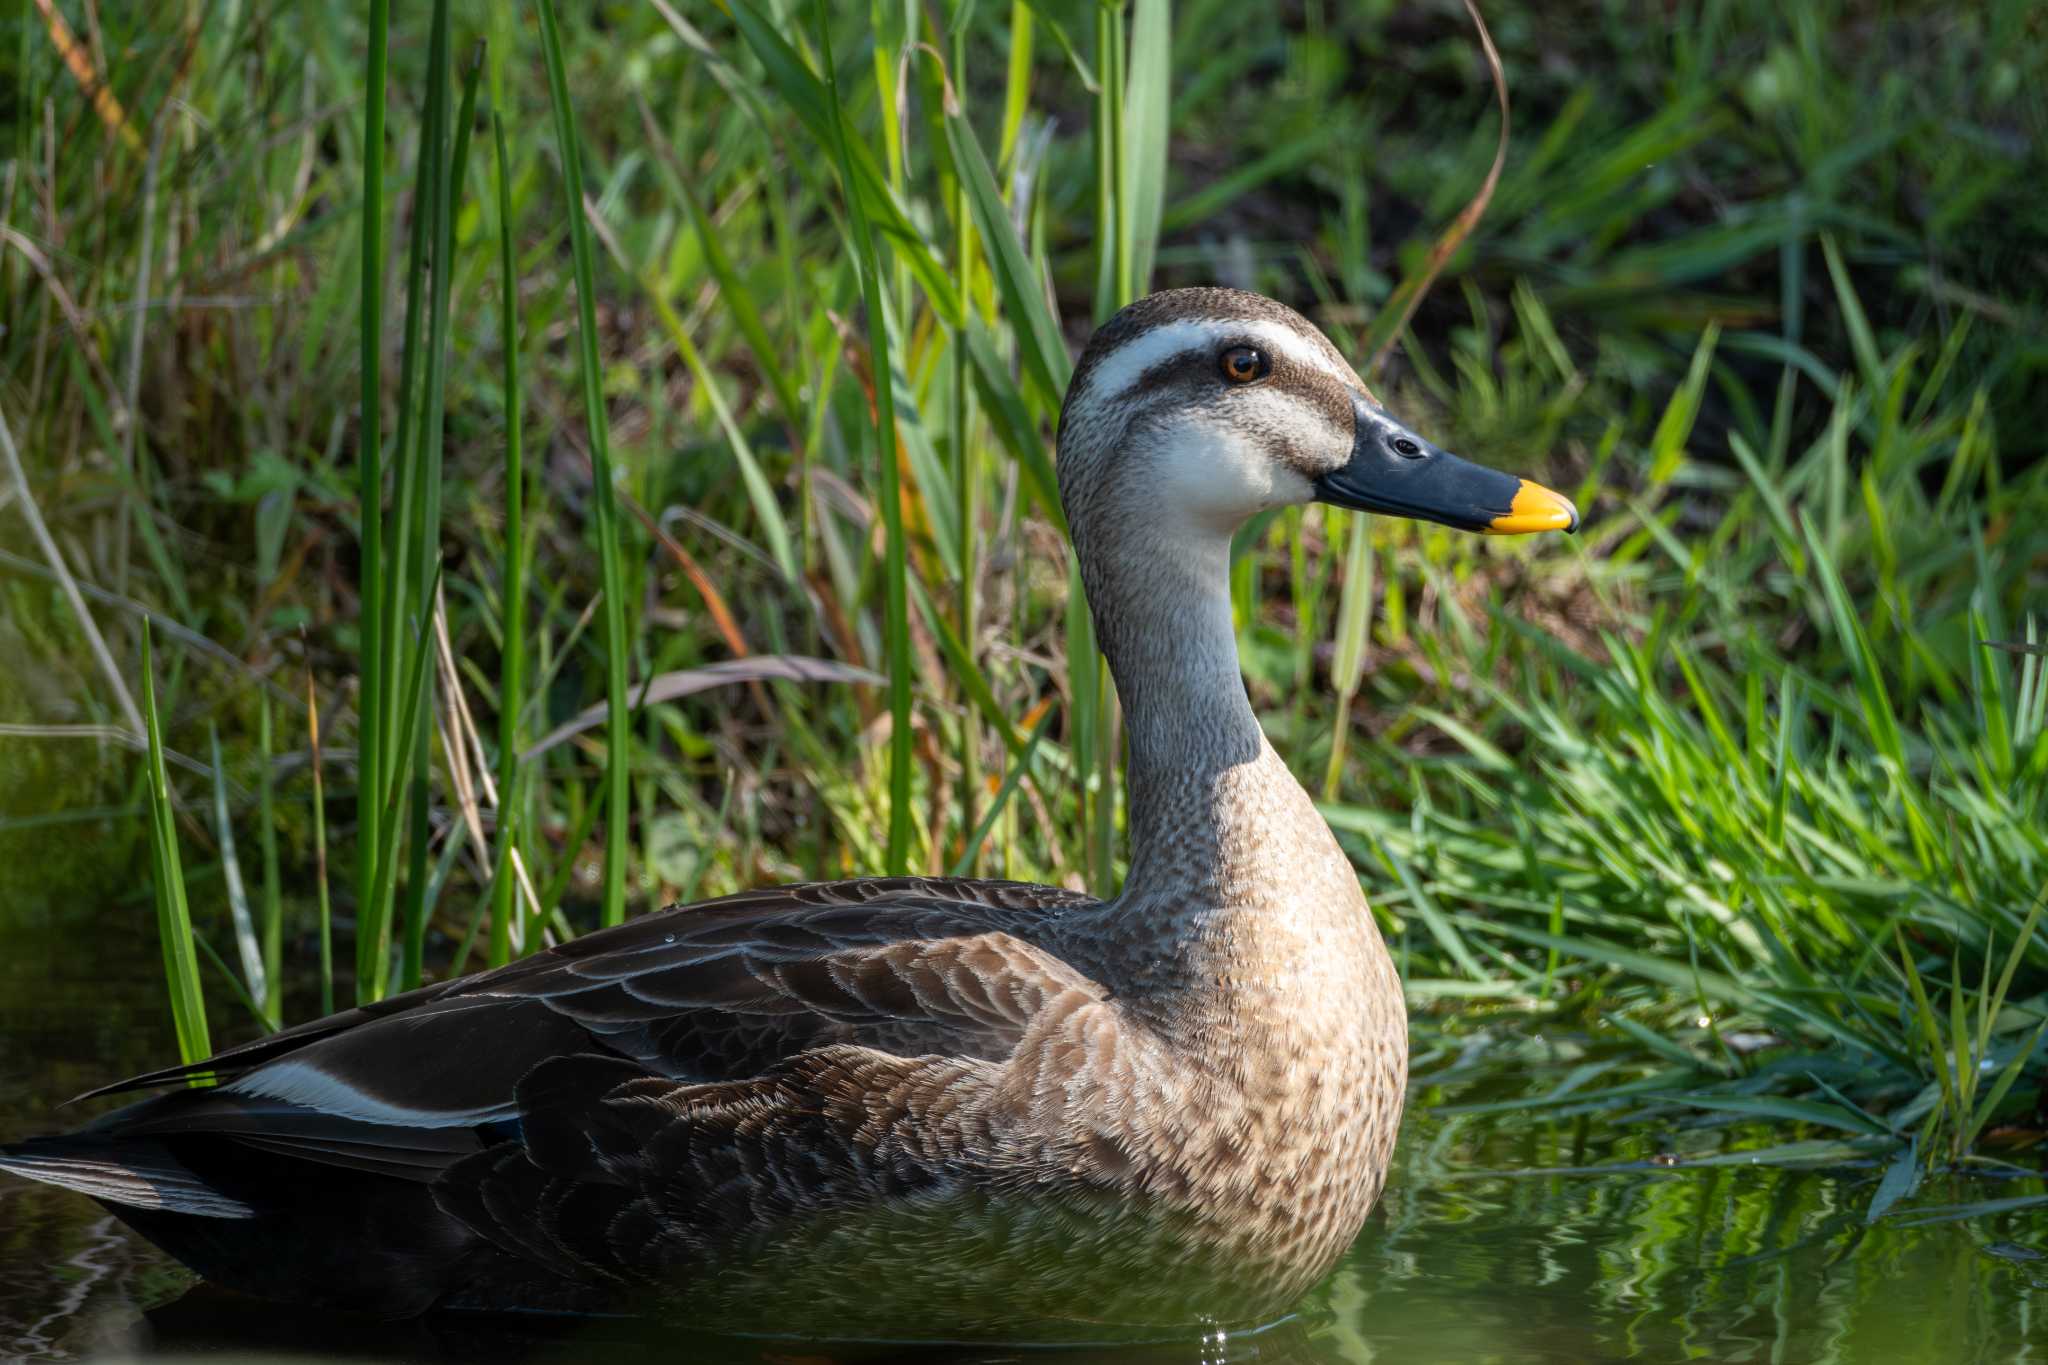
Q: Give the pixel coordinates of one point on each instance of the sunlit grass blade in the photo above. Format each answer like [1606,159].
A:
[1018,287]
[967,485]
[1439,924]
[767,512]
[1354,628]
[1667,443]
[167,886]
[1148,105]
[810,99]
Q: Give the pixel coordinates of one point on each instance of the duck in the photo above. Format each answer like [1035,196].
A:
[899,1108]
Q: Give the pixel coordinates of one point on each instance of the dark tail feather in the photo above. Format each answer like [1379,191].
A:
[264,1222]
[135,1174]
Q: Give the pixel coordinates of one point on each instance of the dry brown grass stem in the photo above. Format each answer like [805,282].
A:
[80,63]
[463,745]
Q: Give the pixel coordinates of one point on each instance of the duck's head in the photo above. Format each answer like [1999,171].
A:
[1199,408]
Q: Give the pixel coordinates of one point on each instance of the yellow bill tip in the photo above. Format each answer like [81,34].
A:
[1535,508]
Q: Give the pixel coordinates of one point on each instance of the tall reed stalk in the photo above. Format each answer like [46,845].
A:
[370,736]
[895,590]
[273,891]
[604,509]
[512,655]
[417,519]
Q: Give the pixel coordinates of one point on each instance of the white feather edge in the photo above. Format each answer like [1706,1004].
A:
[302,1083]
[162,1185]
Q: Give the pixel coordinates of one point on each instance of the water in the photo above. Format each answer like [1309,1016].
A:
[1724,1264]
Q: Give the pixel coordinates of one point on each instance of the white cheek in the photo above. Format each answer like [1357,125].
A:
[1217,475]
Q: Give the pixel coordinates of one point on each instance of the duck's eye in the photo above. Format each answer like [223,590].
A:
[1407,447]
[1243,364]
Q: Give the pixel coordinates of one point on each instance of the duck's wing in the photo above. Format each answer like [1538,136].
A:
[605,1111]
[716,992]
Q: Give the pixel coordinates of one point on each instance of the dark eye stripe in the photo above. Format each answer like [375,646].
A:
[1165,372]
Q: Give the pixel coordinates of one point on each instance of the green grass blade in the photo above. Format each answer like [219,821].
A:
[760,492]
[370,486]
[512,652]
[1019,288]
[326,910]
[604,507]
[272,922]
[817,107]
[1861,339]
[372,958]
[1901,1178]
[1796,1111]
[732,290]
[1956,1213]
[1111,245]
[409,544]
[1433,917]
[1148,104]
[1667,443]
[167,883]
[1930,1030]
[1017,82]
[896,607]
[227,975]
[1019,766]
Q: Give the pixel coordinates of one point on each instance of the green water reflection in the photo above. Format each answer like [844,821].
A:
[1721,1264]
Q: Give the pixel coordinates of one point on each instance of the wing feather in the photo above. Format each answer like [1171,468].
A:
[620,1109]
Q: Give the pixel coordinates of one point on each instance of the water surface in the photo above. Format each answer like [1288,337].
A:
[1458,1264]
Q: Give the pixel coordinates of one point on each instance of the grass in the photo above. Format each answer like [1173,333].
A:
[167,882]
[882,386]
[603,512]
[744,345]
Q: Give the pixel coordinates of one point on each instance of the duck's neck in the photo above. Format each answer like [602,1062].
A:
[1217,822]
[1241,940]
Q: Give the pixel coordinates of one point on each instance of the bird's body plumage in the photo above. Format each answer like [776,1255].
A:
[886,1107]
[851,1109]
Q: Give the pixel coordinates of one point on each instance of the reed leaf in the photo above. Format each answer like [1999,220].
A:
[167,887]
[604,510]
